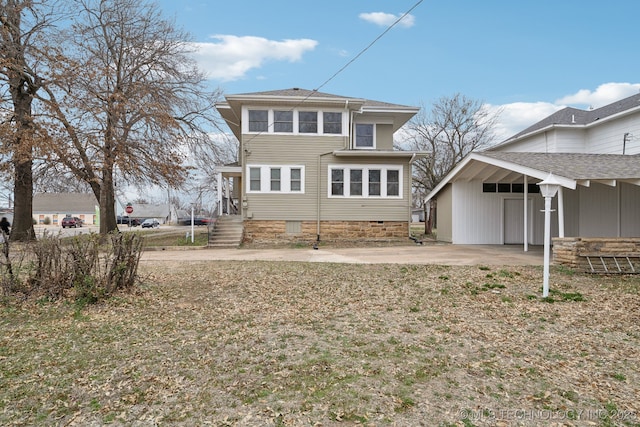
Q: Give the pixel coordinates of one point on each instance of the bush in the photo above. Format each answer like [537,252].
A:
[87,267]
[46,220]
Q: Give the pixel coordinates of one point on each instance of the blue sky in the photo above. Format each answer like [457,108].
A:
[529,58]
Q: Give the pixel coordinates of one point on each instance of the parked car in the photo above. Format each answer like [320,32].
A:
[198,220]
[71,221]
[150,223]
[132,222]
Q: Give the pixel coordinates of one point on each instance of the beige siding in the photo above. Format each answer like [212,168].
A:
[365,209]
[310,152]
[287,150]
[384,137]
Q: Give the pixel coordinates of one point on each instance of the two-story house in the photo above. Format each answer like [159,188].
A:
[315,166]
[492,197]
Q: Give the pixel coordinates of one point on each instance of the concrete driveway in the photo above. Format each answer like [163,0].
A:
[443,254]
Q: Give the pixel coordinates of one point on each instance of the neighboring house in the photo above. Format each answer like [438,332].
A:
[164,213]
[492,197]
[56,206]
[316,166]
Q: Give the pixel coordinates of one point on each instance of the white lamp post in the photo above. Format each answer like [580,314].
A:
[548,189]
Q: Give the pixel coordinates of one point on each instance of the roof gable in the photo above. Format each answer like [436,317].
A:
[570,116]
[64,202]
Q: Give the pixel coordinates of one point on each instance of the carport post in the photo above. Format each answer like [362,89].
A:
[548,189]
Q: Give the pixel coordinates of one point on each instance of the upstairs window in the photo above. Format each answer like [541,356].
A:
[258,120]
[283,121]
[364,135]
[332,123]
[308,122]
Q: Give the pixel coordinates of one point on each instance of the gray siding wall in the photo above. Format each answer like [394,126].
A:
[610,211]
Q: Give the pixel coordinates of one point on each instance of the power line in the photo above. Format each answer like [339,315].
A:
[344,67]
[369,46]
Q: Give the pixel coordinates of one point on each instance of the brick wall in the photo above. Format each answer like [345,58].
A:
[570,251]
[261,231]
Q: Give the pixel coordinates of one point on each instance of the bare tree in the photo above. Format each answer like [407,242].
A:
[127,98]
[454,127]
[22,47]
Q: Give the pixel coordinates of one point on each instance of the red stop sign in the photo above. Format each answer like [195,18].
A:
[129,209]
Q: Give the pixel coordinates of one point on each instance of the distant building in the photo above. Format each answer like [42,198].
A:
[56,206]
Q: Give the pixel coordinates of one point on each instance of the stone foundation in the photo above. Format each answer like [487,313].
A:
[263,231]
[571,251]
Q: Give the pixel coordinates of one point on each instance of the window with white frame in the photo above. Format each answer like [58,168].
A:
[308,122]
[283,121]
[365,137]
[275,179]
[393,182]
[332,123]
[375,178]
[258,120]
[296,179]
[304,122]
[371,181]
[337,182]
[355,182]
[254,179]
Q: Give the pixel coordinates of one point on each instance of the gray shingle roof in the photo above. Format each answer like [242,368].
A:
[64,203]
[575,116]
[575,166]
[306,93]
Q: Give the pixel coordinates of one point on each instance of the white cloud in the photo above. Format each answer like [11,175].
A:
[605,94]
[386,19]
[517,116]
[231,57]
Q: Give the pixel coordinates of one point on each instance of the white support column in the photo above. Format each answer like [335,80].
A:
[547,252]
[228,196]
[219,193]
[526,209]
[560,213]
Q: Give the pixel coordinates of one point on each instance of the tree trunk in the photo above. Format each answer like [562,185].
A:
[430,220]
[107,204]
[22,227]
[22,147]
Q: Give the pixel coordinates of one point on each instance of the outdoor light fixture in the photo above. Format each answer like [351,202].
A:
[548,188]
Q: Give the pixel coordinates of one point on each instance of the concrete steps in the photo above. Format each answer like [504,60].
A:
[227,232]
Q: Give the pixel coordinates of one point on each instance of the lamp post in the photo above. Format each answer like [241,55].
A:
[548,189]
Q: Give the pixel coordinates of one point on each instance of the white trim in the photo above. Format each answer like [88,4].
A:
[365,181]
[355,135]
[265,179]
[296,121]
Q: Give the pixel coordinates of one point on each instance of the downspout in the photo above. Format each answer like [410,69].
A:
[411,160]
[560,212]
[319,171]
[318,191]
[525,215]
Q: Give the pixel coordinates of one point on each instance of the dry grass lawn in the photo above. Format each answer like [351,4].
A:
[301,344]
